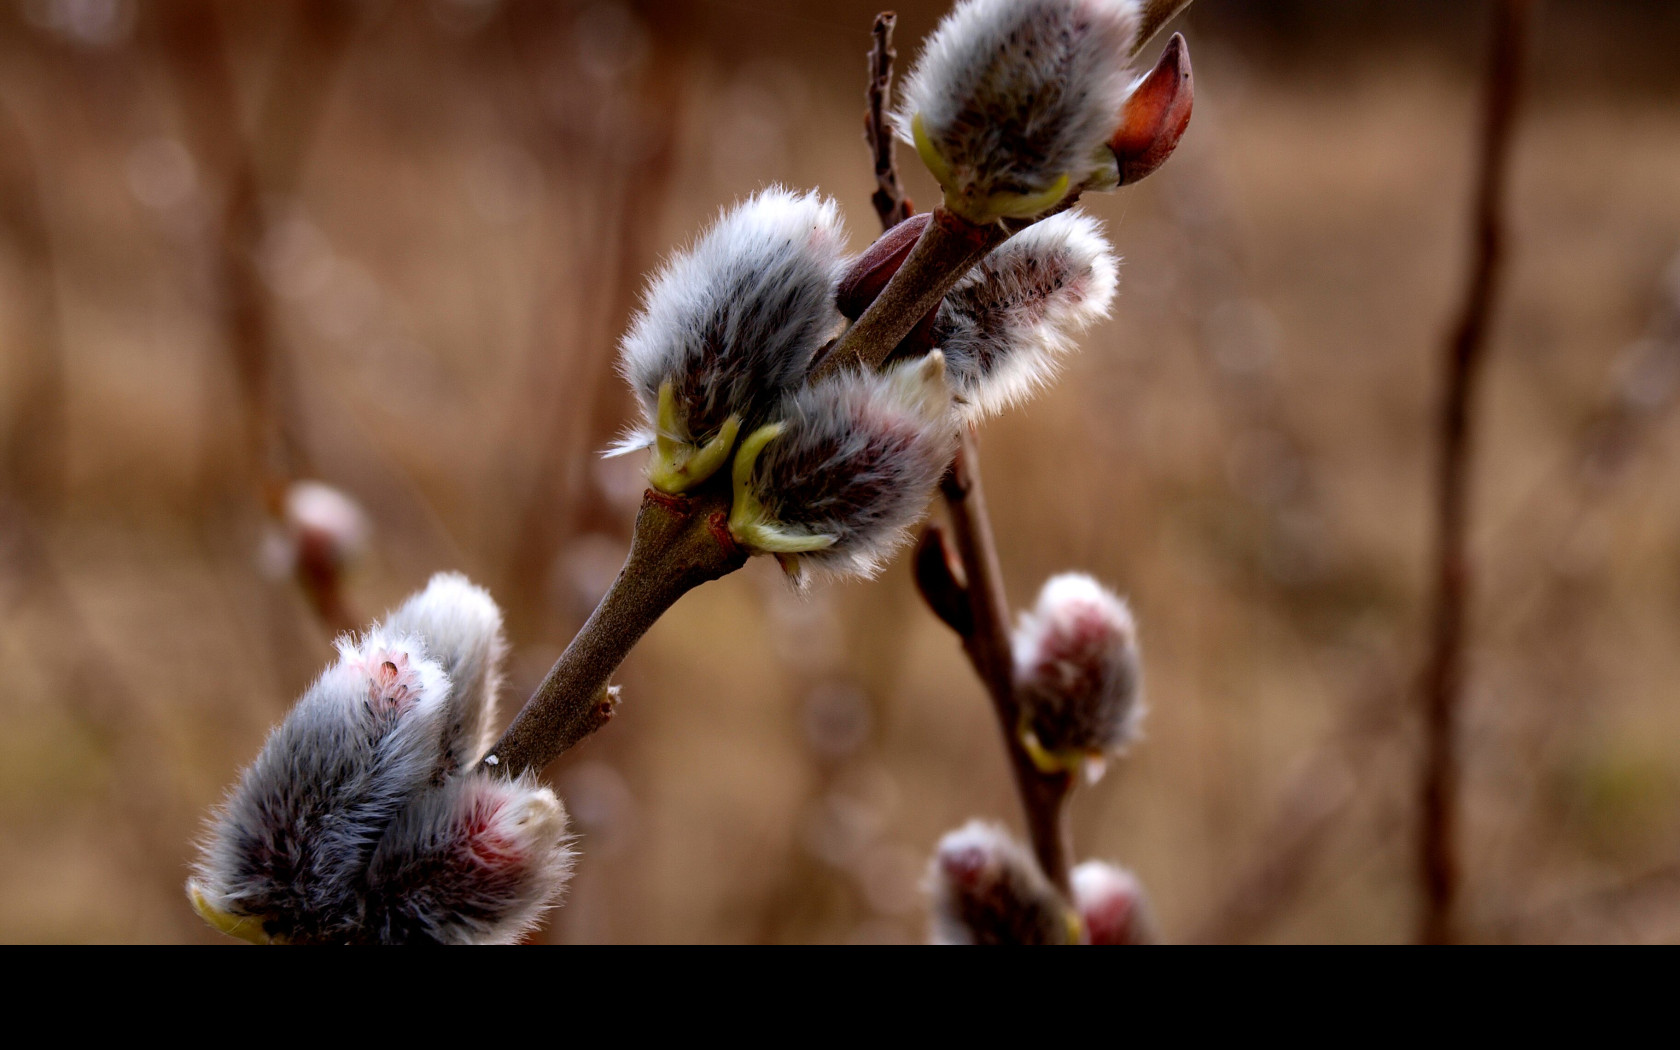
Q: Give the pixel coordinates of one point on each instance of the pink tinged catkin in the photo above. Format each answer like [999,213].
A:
[381,732]
[1011,102]
[1078,675]
[475,861]
[1007,324]
[324,524]
[1111,904]
[834,484]
[987,889]
[728,326]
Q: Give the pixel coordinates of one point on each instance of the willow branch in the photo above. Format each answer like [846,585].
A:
[195,48]
[947,249]
[679,543]
[987,645]
[1439,864]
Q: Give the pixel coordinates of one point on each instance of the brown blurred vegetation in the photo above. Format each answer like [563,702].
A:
[390,245]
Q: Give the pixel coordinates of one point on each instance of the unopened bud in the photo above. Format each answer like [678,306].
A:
[1011,102]
[1111,905]
[727,326]
[987,889]
[835,484]
[1006,325]
[1078,677]
[325,530]
[476,861]
[1154,118]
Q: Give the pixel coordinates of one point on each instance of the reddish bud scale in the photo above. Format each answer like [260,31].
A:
[1156,114]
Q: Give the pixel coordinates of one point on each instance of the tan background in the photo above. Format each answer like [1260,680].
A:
[1243,450]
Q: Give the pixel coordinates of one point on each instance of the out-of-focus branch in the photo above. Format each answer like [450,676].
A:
[195,50]
[32,449]
[891,205]
[1439,862]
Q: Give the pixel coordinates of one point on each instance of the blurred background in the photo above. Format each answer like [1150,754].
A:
[390,246]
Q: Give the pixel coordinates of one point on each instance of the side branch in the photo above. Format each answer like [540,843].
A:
[1465,357]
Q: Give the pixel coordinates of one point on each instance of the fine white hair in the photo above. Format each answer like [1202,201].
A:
[1077,668]
[1007,324]
[857,461]
[735,320]
[478,860]
[461,627]
[988,889]
[1016,93]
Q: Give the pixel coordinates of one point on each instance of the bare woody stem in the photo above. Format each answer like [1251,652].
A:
[976,607]
[1443,679]
[1043,795]
[679,543]
[891,204]
[948,248]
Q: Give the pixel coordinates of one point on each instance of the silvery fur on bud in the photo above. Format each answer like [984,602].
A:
[1011,102]
[849,465]
[987,889]
[735,320]
[462,630]
[474,861]
[1007,323]
[1077,670]
[1111,905]
[286,857]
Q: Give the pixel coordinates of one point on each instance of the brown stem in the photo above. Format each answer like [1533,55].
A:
[1043,795]
[891,204]
[679,543]
[1443,679]
[948,248]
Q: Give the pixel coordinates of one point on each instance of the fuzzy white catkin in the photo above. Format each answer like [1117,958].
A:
[1015,94]
[461,628]
[291,842]
[475,861]
[857,461]
[735,320]
[1007,324]
[1077,670]
[371,773]
[987,889]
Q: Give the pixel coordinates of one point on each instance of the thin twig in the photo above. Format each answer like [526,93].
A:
[1443,680]
[976,607]
[680,542]
[891,204]
[949,247]
[1043,795]
[195,47]
[32,449]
